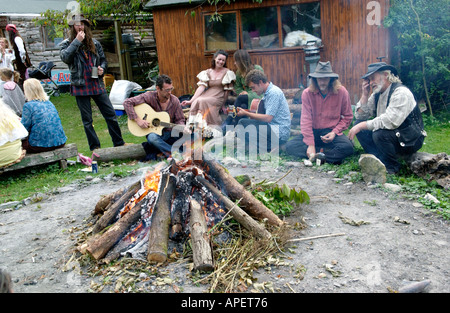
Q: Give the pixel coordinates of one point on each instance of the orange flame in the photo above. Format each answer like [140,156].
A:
[151,183]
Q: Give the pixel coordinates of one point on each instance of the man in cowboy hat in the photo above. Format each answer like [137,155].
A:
[87,63]
[397,126]
[326,113]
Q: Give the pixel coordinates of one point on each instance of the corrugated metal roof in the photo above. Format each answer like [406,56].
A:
[162,3]
[31,6]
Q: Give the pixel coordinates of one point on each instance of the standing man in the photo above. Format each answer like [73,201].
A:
[87,64]
[160,100]
[397,127]
[326,113]
[273,119]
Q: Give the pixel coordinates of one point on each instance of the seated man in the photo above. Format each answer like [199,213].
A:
[272,121]
[160,100]
[326,113]
[397,127]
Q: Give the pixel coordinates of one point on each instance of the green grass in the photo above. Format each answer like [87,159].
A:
[22,184]
[73,127]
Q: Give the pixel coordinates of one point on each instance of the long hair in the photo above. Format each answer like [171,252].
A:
[33,90]
[5,282]
[243,62]
[392,78]
[5,41]
[88,42]
[333,86]
[213,61]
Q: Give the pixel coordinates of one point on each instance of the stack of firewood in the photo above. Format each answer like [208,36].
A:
[172,209]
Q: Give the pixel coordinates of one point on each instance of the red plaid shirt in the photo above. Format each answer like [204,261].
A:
[92,86]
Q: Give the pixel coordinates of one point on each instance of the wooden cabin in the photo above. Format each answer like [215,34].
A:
[279,35]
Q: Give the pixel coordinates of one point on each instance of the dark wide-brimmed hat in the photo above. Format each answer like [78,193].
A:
[323,70]
[377,67]
[78,18]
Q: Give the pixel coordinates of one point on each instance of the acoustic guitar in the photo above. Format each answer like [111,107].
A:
[256,106]
[157,121]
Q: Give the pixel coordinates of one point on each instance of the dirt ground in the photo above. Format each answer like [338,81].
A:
[400,243]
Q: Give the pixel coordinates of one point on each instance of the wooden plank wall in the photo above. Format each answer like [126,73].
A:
[349,43]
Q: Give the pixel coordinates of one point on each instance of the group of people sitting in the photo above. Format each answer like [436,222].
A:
[388,120]
[37,129]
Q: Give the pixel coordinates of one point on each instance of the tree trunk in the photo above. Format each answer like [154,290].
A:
[236,192]
[201,246]
[134,151]
[238,214]
[158,237]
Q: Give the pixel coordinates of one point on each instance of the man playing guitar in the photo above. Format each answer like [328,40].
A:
[160,100]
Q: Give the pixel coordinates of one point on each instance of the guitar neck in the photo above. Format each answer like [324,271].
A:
[164,124]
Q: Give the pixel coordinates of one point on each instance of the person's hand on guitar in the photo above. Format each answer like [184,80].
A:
[241,112]
[142,123]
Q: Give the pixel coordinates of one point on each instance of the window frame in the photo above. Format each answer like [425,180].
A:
[239,31]
[238,35]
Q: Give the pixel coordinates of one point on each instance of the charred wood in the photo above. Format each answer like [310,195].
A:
[236,192]
[180,205]
[238,214]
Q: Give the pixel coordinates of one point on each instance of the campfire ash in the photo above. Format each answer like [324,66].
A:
[185,200]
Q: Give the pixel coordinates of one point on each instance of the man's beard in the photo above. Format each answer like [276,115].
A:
[377,88]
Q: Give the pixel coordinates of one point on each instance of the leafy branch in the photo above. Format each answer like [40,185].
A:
[279,199]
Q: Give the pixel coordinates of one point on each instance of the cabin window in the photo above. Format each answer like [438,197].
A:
[221,32]
[277,27]
[260,28]
[301,24]
[52,36]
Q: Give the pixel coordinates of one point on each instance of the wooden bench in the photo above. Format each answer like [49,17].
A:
[33,159]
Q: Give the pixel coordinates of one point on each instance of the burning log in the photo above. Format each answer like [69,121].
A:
[112,212]
[201,245]
[238,214]
[159,232]
[236,191]
[180,204]
[105,242]
[108,200]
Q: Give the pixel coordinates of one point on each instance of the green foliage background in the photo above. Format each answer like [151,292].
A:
[422,28]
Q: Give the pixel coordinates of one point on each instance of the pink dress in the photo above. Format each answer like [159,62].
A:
[212,99]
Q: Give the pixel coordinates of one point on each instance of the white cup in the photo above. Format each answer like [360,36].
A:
[94,72]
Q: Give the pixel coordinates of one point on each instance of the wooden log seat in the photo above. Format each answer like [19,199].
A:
[33,159]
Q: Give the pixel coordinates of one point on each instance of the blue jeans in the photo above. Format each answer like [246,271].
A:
[158,144]
[265,138]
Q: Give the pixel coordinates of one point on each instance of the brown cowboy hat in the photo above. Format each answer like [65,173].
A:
[78,18]
[377,67]
[323,70]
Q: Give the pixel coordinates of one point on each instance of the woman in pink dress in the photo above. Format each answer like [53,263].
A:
[214,86]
